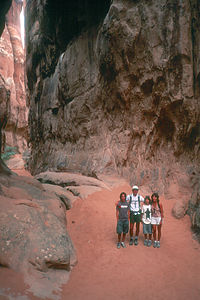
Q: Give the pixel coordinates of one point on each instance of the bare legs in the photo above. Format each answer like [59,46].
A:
[123,237]
[137,229]
[158,232]
[146,236]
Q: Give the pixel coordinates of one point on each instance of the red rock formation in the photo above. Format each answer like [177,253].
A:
[117,94]
[122,97]
[4,93]
[33,226]
[4,114]
[5,5]
[12,70]
[33,222]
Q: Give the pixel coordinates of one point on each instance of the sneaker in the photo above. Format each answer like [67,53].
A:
[149,243]
[136,241]
[145,242]
[131,242]
[155,244]
[123,245]
[158,244]
[118,245]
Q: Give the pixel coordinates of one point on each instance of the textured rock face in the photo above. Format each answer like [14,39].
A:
[32,226]
[32,218]
[4,104]
[123,95]
[4,114]
[119,94]
[194,203]
[5,5]
[12,70]
[4,93]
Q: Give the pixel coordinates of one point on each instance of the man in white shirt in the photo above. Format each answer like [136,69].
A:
[135,213]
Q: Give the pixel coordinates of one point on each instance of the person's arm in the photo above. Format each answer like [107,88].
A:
[141,218]
[162,213]
[117,211]
[117,214]
[141,201]
[142,212]
[128,198]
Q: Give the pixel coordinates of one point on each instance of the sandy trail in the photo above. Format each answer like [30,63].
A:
[104,272]
[136,272]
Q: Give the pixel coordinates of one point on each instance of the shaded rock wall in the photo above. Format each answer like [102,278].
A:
[12,70]
[4,93]
[118,94]
[5,5]
[4,113]
[194,203]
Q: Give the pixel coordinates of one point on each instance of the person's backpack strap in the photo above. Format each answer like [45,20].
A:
[129,203]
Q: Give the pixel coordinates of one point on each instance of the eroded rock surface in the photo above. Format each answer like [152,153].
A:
[119,94]
[5,5]
[194,203]
[123,95]
[12,71]
[33,226]
[4,114]
[69,179]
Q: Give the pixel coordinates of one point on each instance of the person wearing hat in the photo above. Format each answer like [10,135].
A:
[135,213]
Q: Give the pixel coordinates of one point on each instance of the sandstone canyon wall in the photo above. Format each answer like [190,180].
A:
[114,87]
[12,71]
[32,217]
[4,92]
[5,5]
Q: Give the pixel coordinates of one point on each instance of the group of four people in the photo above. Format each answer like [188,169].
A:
[136,209]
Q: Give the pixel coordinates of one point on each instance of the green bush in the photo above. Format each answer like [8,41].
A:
[8,152]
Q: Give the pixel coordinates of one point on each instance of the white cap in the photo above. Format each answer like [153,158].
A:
[135,187]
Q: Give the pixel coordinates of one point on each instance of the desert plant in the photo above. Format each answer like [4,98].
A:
[8,152]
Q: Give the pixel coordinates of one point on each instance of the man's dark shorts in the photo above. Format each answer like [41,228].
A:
[122,226]
[135,218]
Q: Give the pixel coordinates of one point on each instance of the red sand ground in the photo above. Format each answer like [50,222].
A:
[136,272]
[104,272]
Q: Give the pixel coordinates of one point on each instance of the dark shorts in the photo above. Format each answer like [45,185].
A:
[147,228]
[122,226]
[135,218]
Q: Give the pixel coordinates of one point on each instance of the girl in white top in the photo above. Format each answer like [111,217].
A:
[157,218]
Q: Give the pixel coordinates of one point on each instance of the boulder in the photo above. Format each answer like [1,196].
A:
[179,209]
[33,227]
[66,196]
[65,179]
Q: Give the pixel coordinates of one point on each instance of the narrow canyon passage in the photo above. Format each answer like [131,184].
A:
[100,87]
